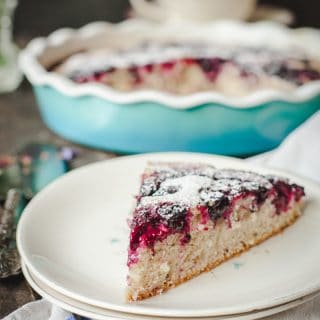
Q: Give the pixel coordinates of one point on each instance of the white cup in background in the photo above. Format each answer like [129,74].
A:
[194,10]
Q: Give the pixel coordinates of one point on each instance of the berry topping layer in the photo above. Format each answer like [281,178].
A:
[170,192]
[189,68]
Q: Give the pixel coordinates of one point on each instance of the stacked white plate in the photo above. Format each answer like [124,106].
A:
[73,238]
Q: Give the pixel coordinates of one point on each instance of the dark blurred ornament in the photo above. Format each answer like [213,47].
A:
[10,264]
[10,176]
[40,164]
[21,177]
[9,256]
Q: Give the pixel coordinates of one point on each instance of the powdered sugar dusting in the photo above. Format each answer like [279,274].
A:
[191,185]
[186,191]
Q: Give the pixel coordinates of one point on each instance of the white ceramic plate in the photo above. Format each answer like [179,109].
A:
[73,237]
[97,313]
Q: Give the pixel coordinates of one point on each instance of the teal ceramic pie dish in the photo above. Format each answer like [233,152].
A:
[145,121]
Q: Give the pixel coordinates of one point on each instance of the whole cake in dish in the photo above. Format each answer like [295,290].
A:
[189,68]
[189,218]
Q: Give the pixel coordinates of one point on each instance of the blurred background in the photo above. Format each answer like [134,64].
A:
[34,17]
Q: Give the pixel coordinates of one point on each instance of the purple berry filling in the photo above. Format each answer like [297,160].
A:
[297,76]
[134,71]
[153,224]
[168,66]
[285,193]
[211,67]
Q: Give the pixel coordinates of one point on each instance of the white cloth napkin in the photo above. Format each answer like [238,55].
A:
[40,310]
[299,153]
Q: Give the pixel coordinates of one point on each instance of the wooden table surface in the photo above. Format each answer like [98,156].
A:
[20,124]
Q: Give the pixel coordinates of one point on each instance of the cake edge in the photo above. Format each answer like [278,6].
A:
[296,213]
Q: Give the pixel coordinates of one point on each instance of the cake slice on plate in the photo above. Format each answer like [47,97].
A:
[189,218]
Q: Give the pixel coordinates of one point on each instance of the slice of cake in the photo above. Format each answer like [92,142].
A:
[189,218]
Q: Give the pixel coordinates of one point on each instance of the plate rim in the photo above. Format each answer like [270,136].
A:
[156,311]
[256,314]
